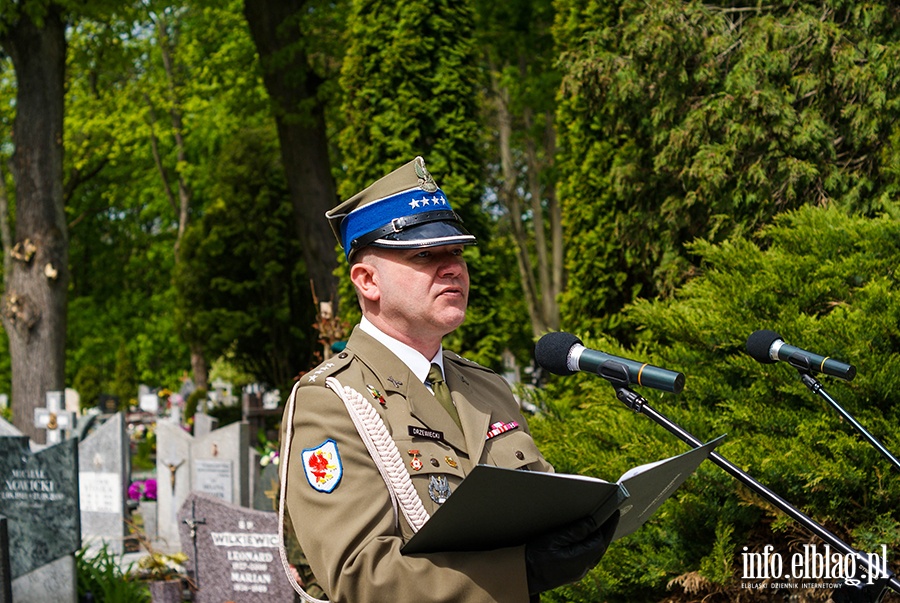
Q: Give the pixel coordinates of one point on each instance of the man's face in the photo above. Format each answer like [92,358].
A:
[421,293]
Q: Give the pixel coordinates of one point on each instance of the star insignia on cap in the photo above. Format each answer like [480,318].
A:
[415,203]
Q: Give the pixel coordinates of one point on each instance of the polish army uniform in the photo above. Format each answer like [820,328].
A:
[368,453]
[349,534]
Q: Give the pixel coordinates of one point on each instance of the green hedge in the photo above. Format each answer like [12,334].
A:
[826,282]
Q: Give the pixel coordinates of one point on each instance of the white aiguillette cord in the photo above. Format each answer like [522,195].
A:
[382,449]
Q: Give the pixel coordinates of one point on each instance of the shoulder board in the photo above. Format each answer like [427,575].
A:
[457,359]
[328,368]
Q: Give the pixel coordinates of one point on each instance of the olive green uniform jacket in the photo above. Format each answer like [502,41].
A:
[347,529]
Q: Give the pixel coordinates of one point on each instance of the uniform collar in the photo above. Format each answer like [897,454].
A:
[417,363]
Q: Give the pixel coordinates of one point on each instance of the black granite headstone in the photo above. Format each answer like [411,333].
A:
[5,574]
[265,495]
[237,556]
[108,403]
[39,496]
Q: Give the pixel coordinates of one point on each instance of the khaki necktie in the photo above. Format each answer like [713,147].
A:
[442,392]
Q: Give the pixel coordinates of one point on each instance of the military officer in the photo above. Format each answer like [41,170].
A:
[377,438]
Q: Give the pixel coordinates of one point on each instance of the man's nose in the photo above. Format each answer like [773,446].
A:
[451,265]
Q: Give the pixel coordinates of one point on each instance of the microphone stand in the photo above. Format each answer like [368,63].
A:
[802,364]
[617,374]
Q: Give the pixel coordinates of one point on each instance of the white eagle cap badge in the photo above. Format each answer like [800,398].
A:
[426,181]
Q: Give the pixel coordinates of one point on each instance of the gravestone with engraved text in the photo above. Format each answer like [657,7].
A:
[216,463]
[39,496]
[104,467]
[237,552]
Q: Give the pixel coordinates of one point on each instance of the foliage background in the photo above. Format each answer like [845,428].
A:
[815,275]
[721,166]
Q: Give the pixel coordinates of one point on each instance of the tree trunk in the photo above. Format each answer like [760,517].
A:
[509,197]
[199,367]
[300,117]
[34,300]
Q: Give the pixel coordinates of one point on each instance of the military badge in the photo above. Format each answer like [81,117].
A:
[376,395]
[416,462]
[439,489]
[322,466]
[426,181]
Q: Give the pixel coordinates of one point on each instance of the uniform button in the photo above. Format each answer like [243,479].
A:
[435,462]
[342,355]
[520,455]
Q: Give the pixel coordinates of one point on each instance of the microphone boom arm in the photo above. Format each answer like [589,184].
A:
[613,372]
[815,387]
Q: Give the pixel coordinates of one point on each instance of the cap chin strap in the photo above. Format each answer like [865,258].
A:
[382,449]
[399,224]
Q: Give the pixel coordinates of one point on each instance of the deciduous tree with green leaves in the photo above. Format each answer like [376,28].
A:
[298,46]
[519,105]
[242,285]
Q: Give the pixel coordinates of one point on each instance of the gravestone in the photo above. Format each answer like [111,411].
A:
[216,463]
[55,582]
[173,471]
[220,393]
[237,557]
[108,404]
[265,495]
[5,575]
[8,429]
[104,467]
[204,423]
[148,401]
[73,401]
[253,456]
[39,497]
[54,418]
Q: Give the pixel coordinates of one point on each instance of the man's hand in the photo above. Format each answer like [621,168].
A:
[566,555]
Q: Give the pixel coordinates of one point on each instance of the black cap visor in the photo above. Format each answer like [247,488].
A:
[428,234]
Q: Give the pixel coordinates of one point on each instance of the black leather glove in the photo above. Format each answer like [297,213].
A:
[566,555]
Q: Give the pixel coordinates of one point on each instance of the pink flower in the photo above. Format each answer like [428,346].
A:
[150,489]
[134,490]
[142,490]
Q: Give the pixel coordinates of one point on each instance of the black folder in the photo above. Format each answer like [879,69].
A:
[497,508]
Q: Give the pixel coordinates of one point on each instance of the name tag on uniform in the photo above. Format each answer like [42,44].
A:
[430,434]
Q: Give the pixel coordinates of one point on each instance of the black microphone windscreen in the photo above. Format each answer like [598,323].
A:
[759,343]
[552,352]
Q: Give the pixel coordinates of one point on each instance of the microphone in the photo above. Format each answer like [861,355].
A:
[563,354]
[767,347]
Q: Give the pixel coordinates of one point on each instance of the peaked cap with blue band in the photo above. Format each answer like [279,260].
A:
[405,210]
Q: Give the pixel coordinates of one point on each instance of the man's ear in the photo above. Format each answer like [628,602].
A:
[364,277]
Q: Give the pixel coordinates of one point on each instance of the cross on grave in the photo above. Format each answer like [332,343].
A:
[192,522]
[54,418]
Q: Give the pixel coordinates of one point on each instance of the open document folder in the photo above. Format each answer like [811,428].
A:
[495,508]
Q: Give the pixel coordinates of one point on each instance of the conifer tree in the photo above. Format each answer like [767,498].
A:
[825,281]
[702,119]
[411,84]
